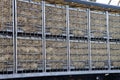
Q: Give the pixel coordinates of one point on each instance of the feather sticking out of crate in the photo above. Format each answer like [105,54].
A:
[50,50]
[99,52]
[27,13]
[55,31]
[22,20]
[29,50]
[78,33]
[98,28]
[115,58]
[99,58]
[56,43]
[29,66]
[6,57]
[74,51]
[3,66]
[56,57]
[79,58]
[78,64]
[99,48]
[116,64]
[36,0]
[99,64]
[29,57]
[56,65]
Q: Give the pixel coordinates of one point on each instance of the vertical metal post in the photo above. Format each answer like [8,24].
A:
[108,37]
[43,36]
[14,5]
[68,37]
[89,38]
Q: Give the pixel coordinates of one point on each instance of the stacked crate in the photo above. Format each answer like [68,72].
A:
[115,53]
[29,17]
[78,22]
[5,15]
[114,26]
[6,54]
[114,32]
[30,50]
[56,53]
[99,54]
[6,44]
[79,54]
[29,54]
[55,20]
[98,25]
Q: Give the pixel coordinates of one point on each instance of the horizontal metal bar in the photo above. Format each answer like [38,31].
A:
[23,75]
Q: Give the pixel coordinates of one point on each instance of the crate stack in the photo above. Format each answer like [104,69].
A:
[6,42]
[79,55]
[51,46]
[6,15]
[99,55]
[98,24]
[114,26]
[78,28]
[29,17]
[6,54]
[55,20]
[115,53]
[56,53]
[29,50]
[78,22]
[56,50]
[29,54]
[114,32]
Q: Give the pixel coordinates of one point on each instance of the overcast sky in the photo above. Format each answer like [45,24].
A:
[113,2]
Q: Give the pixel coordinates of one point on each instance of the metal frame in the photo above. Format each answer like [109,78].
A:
[68,37]
[25,75]
[14,2]
[89,38]
[43,35]
[57,73]
[108,43]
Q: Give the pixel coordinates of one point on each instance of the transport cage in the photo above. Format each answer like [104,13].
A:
[99,55]
[29,17]
[6,54]
[56,55]
[6,15]
[29,53]
[114,26]
[55,20]
[44,39]
[29,43]
[6,39]
[115,53]
[98,24]
[78,22]
[79,57]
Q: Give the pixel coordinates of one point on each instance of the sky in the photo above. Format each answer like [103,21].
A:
[113,2]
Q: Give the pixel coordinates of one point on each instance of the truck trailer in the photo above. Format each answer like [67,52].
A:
[41,38]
